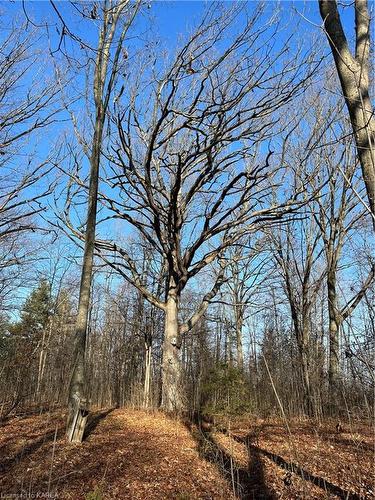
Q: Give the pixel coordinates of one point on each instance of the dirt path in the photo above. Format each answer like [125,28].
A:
[127,455]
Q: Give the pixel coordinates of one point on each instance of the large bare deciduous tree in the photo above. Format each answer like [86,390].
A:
[183,169]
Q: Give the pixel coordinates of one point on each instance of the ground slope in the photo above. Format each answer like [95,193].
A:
[133,454]
[127,454]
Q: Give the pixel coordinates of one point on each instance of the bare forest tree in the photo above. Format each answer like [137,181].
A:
[182,169]
[247,265]
[353,68]
[210,245]
[27,107]
[338,217]
[114,21]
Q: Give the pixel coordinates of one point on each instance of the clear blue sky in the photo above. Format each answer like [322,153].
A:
[170,19]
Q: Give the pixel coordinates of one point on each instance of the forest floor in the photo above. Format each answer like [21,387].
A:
[133,454]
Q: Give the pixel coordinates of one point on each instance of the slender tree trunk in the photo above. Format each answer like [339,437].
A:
[239,325]
[78,384]
[42,355]
[334,342]
[172,399]
[147,381]
[304,355]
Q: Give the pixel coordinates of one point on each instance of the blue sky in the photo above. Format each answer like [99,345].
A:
[170,19]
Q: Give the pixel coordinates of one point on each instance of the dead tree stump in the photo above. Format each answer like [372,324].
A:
[77,428]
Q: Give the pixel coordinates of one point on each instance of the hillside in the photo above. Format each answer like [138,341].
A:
[132,454]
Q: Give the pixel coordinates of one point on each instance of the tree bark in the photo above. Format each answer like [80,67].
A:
[77,388]
[172,400]
[106,68]
[239,325]
[334,341]
[353,72]
[304,350]
[147,380]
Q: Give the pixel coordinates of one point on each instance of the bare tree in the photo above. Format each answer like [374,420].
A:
[338,216]
[115,19]
[182,170]
[247,265]
[354,72]
[297,258]
[27,106]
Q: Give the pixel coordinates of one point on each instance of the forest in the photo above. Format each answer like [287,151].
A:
[187,271]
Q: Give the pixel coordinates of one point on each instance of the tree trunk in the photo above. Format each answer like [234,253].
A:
[77,388]
[42,358]
[334,342]
[302,333]
[239,325]
[172,399]
[304,353]
[147,381]
[354,77]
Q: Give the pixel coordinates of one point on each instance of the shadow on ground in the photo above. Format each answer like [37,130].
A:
[247,483]
[327,486]
[94,420]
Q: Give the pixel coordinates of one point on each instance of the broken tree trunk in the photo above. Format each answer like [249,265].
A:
[77,428]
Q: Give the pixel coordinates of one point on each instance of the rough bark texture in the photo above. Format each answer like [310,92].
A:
[239,324]
[334,330]
[353,71]
[172,400]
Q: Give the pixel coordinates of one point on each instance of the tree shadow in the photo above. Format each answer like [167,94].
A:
[296,469]
[22,414]
[45,437]
[93,421]
[247,483]
[31,448]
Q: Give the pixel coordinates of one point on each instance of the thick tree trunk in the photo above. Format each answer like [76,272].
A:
[354,77]
[172,399]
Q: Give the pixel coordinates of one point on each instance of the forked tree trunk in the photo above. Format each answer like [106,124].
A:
[353,71]
[172,399]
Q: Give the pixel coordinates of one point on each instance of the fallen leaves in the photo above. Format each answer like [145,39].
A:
[129,454]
